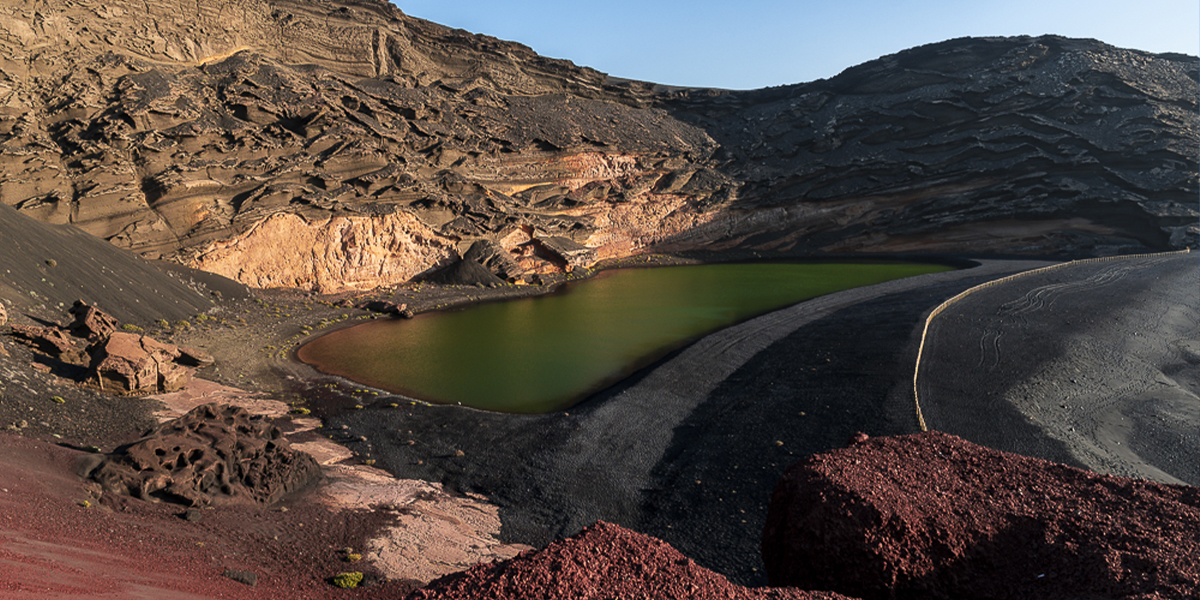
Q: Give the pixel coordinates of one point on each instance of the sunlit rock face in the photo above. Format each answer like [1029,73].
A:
[184,129]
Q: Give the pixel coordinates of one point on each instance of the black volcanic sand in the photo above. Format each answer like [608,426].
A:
[1096,364]
[689,449]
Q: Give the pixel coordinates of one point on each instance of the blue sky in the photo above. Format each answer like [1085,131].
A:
[756,43]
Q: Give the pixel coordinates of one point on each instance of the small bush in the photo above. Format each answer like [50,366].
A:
[130,327]
[58,399]
[185,325]
[348,580]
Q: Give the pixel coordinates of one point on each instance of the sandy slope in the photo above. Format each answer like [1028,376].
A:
[1094,364]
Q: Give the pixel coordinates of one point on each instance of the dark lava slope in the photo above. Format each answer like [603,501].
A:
[341,144]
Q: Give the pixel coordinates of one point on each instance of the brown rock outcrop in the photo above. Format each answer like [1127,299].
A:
[127,362]
[934,516]
[90,322]
[214,453]
[495,259]
[601,562]
[116,361]
[53,341]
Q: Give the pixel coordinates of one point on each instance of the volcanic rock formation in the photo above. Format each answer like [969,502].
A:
[213,453]
[340,144]
[602,561]
[116,361]
[933,516]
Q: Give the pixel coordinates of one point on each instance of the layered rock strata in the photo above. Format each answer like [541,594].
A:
[341,144]
[934,516]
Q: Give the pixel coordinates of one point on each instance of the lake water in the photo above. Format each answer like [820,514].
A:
[543,354]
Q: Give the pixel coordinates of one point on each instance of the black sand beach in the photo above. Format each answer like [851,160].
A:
[689,449]
[1093,364]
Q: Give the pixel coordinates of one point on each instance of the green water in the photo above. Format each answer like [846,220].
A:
[547,353]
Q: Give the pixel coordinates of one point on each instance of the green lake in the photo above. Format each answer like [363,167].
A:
[547,353]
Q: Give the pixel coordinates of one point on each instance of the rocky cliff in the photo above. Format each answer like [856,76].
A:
[359,146]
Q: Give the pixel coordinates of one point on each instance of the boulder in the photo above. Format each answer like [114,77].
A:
[495,259]
[467,272]
[568,251]
[934,516]
[603,561]
[194,358]
[129,363]
[382,307]
[3,315]
[214,453]
[51,340]
[90,322]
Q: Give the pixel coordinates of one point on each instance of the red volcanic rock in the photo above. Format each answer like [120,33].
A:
[601,562]
[90,322]
[212,453]
[934,516]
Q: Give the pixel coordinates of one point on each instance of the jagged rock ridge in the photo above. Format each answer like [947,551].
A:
[335,145]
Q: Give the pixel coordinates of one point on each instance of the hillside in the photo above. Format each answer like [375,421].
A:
[340,145]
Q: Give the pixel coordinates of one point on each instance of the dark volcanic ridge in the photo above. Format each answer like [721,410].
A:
[339,145]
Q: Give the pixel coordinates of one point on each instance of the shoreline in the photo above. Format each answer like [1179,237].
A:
[686,450]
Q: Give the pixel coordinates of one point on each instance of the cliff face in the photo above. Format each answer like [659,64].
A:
[190,130]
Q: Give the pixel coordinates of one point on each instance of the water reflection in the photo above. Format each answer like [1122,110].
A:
[543,354]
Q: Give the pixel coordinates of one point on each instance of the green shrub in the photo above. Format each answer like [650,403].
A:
[348,580]
[130,327]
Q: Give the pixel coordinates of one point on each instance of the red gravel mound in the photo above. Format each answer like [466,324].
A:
[934,516]
[603,561]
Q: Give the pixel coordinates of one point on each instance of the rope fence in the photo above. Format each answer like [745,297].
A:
[943,306]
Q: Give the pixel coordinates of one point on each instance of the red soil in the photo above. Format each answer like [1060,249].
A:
[53,547]
[934,516]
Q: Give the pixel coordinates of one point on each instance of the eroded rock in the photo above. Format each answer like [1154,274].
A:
[603,561]
[127,362]
[51,340]
[495,259]
[934,516]
[383,307]
[116,361]
[214,453]
[90,322]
